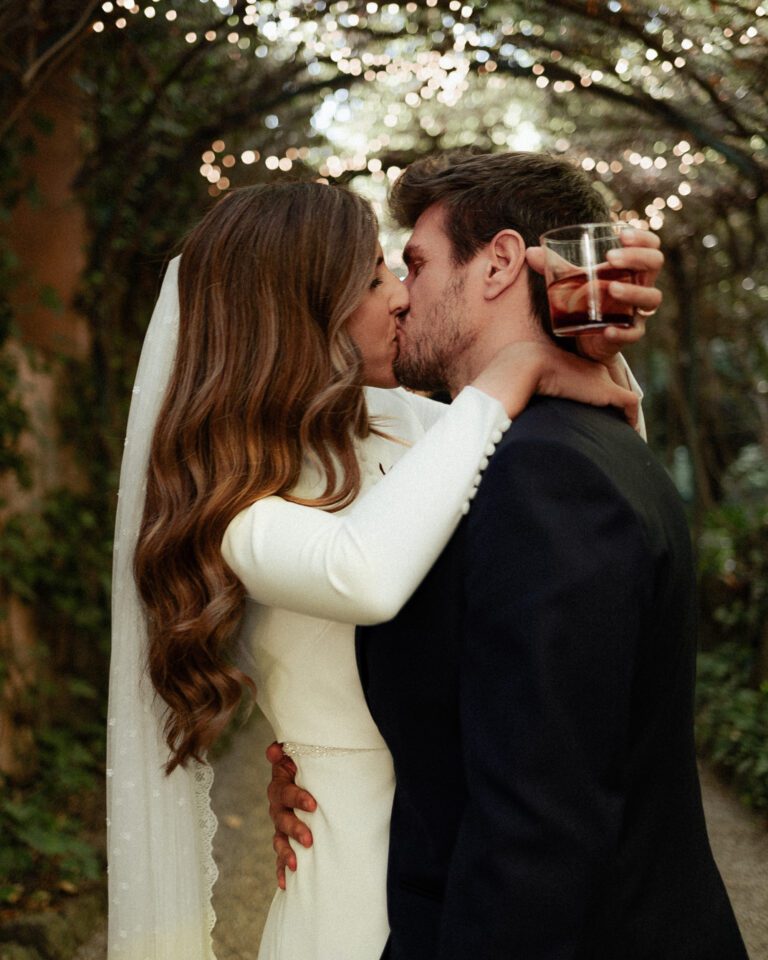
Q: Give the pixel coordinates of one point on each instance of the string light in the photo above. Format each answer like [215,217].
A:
[411,89]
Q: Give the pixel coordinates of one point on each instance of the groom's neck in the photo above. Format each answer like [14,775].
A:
[497,332]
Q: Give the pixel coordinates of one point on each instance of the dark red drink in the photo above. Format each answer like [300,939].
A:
[580,302]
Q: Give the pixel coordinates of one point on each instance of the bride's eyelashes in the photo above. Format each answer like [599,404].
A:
[376,282]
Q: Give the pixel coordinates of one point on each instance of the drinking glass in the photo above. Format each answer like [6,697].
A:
[578,276]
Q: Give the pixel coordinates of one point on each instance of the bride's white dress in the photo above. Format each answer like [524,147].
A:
[310,576]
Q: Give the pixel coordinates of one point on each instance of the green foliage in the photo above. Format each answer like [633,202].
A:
[733,553]
[13,417]
[732,691]
[734,564]
[59,557]
[44,837]
[732,720]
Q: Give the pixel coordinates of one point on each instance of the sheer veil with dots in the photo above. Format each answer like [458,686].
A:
[159,829]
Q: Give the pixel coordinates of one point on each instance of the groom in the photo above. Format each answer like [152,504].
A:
[536,691]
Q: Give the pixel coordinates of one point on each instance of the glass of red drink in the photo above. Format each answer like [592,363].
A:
[578,276]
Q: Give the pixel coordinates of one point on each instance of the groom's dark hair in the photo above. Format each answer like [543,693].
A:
[488,192]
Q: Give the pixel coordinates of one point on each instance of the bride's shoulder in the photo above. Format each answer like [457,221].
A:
[399,402]
[382,398]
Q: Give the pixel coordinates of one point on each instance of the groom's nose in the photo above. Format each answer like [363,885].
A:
[400,300]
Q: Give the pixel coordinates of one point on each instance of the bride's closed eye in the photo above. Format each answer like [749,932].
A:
[376,282]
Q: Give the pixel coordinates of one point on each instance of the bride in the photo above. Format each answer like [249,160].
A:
[249,412]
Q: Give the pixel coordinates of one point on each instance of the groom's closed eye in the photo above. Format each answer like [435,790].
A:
[414,266]
[413,259]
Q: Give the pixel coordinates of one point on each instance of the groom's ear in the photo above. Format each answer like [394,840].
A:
[505,260]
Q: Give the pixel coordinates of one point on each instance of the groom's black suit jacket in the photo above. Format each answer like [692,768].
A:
[536,693]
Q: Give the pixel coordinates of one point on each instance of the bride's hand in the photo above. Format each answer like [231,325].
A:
[521,369]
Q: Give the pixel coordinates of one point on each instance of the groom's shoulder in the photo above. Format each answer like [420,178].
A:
[551,420]
[554,441]
[555,437]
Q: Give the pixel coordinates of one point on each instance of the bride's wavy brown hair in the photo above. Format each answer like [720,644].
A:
[265,374]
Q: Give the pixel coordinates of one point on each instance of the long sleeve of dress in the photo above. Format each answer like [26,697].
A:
[362,565]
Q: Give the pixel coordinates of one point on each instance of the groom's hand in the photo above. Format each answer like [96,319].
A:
[285,797]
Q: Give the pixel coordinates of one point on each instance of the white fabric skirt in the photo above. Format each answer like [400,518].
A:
[334,906]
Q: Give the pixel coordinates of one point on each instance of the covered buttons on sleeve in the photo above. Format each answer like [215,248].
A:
[490,449]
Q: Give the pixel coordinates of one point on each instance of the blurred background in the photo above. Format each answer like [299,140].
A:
[121,122]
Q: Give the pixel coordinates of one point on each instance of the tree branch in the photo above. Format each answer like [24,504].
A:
[53,52]
[39,72]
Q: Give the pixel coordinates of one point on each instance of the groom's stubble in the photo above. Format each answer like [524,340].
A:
[431,347]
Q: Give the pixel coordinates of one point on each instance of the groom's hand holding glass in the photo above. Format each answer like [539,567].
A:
[639,253]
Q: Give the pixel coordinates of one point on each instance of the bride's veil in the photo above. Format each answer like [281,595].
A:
[159,829]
